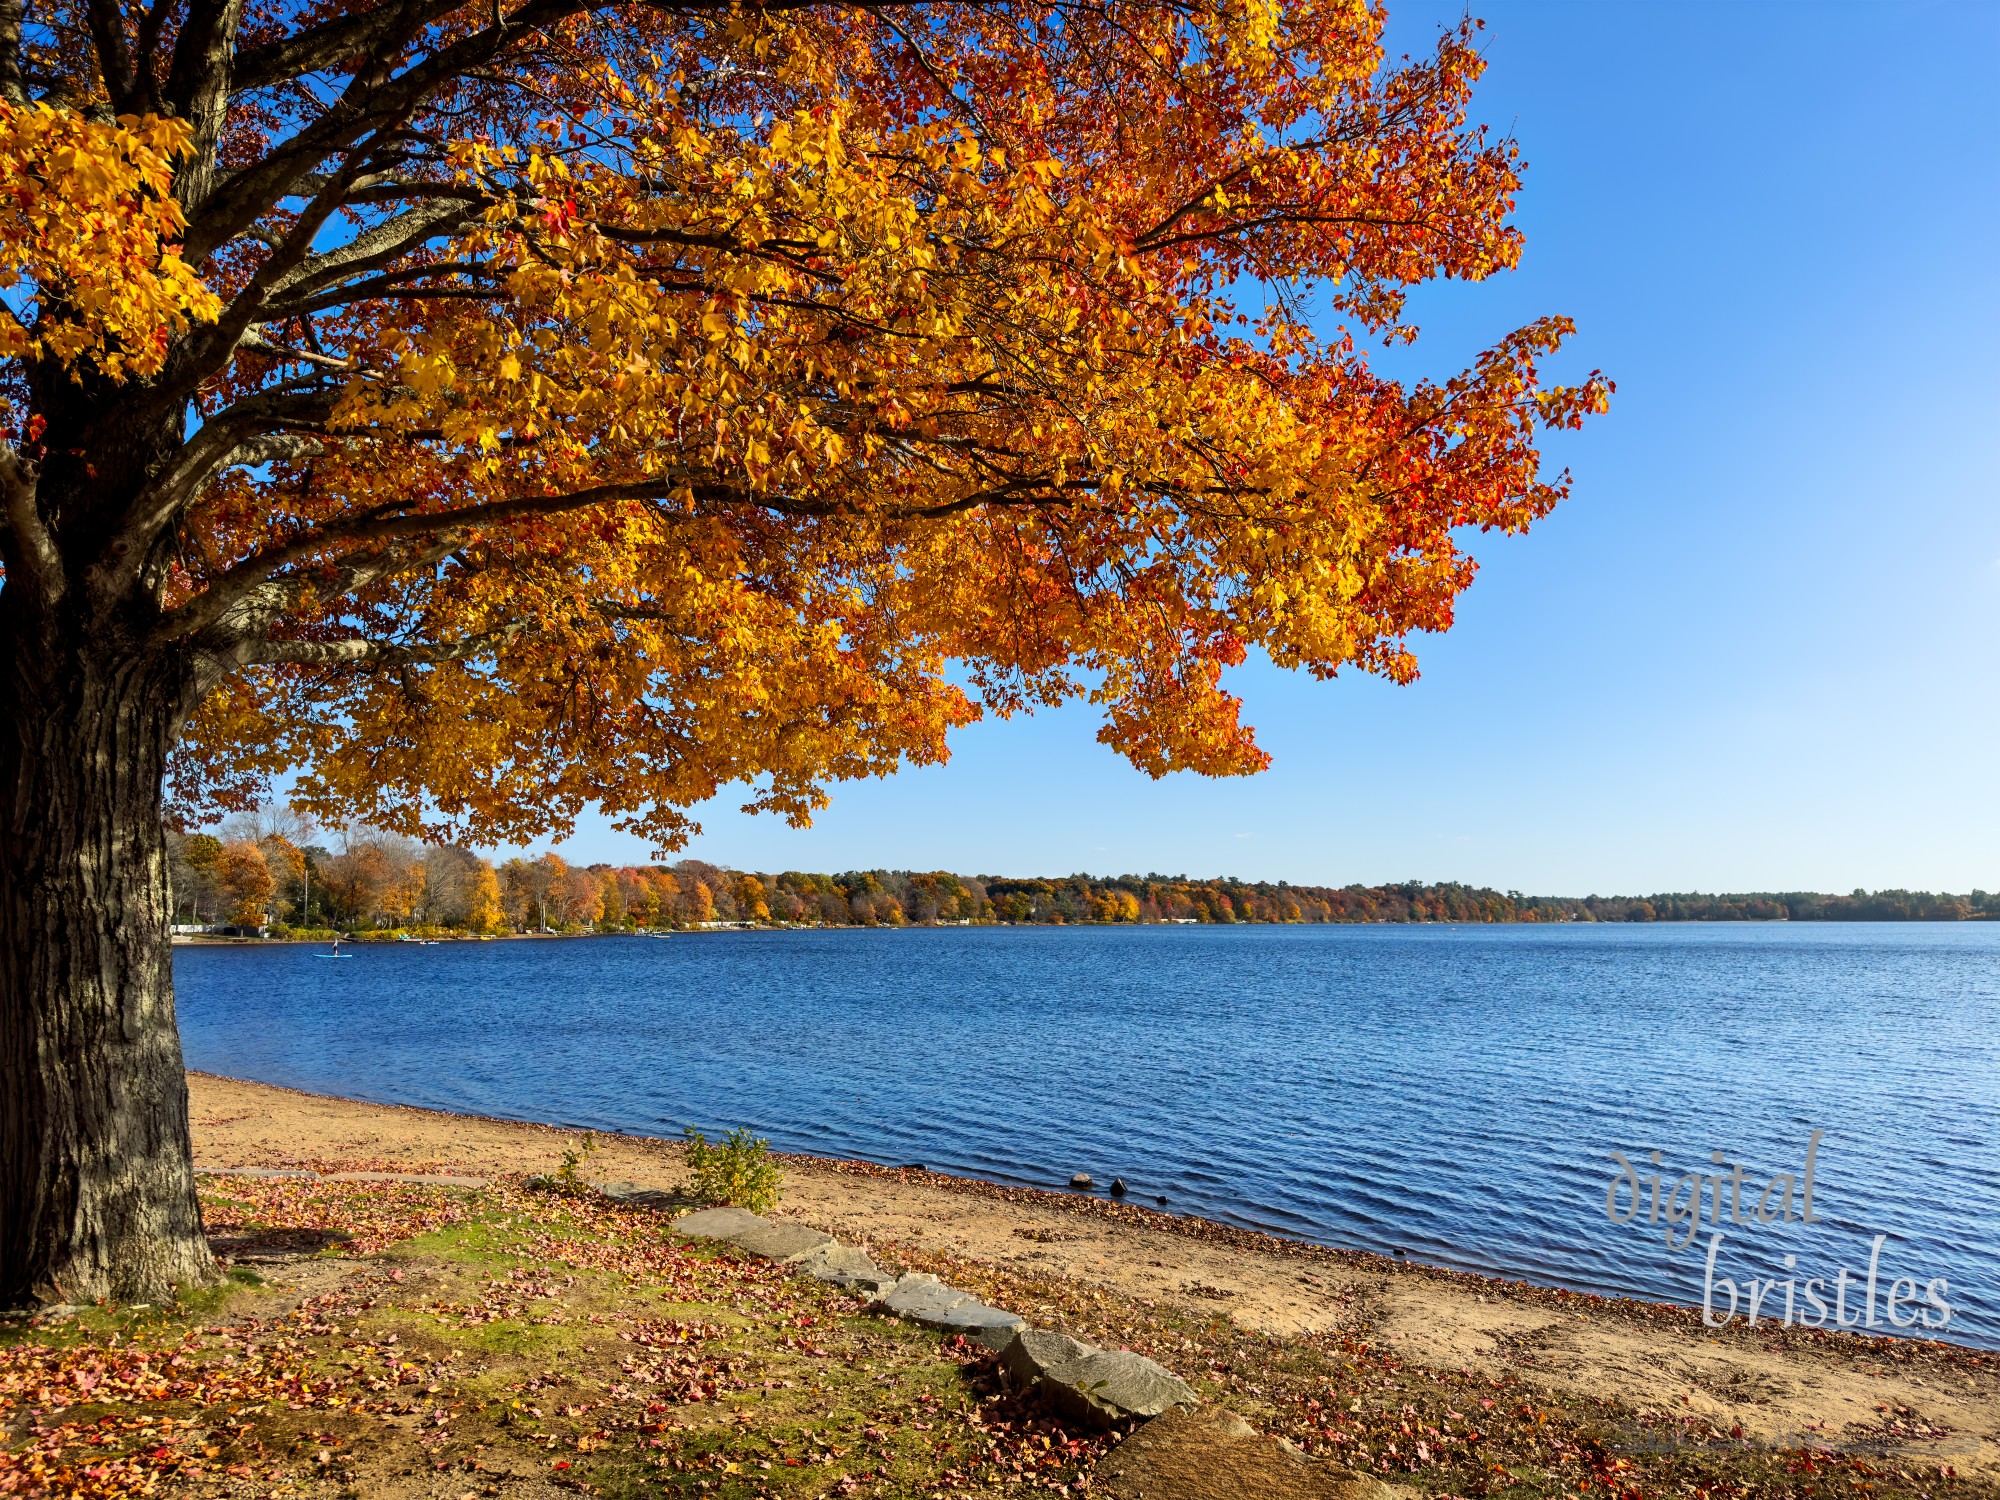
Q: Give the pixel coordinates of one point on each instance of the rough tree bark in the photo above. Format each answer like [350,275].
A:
[97,1192]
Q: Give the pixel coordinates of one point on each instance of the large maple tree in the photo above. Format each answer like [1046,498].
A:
[482,409]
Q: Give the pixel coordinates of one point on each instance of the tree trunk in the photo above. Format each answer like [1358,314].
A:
[97,1192]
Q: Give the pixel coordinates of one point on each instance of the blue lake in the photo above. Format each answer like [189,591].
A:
[1451,1092]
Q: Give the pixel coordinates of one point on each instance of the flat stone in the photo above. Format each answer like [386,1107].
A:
[1122,1384]
[975,1317]
[1094,1385]
[635,1195]
[1036,1354]
[753,1234]
[848,1266]
[922,1298]
[784,1243]
[719,1223]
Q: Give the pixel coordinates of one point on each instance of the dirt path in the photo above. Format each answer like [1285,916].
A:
[1920,1400]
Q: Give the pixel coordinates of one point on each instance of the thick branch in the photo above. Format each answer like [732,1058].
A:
[210,450]
[374,101]
[259,650]
[390,286]
[205,354]
[13,87]
[359,651]
[33,551]
[114,58]
[374,247]
[198,84]
[385,28]
[213,606]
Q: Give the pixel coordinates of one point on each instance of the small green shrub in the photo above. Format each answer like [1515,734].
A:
[737,1171]
[569,1176]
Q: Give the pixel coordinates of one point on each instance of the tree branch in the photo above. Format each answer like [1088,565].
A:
[259,342]
[34,551]
[385,27]
[210,450]
[13,87]
[374,101]
[215,665]
[374,247]
[357,650]
[210,609]
[198,83]
[114,59]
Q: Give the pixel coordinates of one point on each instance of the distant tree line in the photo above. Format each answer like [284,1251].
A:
[272,869]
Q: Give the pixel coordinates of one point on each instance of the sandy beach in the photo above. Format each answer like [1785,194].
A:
[1925,1401]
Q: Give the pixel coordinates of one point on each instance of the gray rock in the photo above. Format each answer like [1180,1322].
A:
[1117,1187]
[1081,1181]
[924,1299]
[1092,1385]
[784,1243]
[976,1318]
[1123,1384]
[719,1223]
[633,1195]
[996,1338]
[1042,1354]
[753,1234]
[848,1266]
[921,1298]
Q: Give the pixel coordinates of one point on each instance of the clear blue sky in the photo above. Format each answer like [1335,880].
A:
[1760,647]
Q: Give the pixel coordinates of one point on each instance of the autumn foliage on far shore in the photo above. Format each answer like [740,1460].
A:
[371,881]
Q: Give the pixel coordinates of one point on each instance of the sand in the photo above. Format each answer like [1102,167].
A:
[1928,1401]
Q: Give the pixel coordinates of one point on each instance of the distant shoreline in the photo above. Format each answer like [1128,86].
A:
[205,940]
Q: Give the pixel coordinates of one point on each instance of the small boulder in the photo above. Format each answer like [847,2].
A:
[753,1234]
[981,1322]
[718,1223]
[783,1243]
[847,1266]
[1119,1384]
[1081,1181]
[1117,1187]
[1036,1354]
[921,1298]
[924,1299]
[633,1195]
[1089,1384]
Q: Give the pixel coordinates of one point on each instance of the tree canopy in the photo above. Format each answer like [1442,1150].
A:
[493,408]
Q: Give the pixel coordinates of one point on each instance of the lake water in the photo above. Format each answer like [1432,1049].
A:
[1451,1092]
